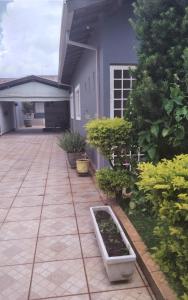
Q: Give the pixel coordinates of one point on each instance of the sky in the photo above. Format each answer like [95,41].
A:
[29,37]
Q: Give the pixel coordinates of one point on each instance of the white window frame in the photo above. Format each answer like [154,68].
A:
[77,102]
[118,67]
[72,105]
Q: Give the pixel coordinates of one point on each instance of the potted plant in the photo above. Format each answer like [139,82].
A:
[82,166]
[28,113]
[117,253]
[74,144]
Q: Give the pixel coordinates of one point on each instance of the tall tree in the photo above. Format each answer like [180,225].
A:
[158,106]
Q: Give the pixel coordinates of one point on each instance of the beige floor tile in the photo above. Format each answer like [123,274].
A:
[5,202]
[19,230]
[58,199]
[58,248]
[3,213]
[59,189]
[14,252]
[24,213]
[58,226]
[130,294]
[83,209]
[87,197]
[9,193]
[89,245]
[14,282]
[84,187]
[77,297]
[60,278]
[85,224]
[98,280]
[57,211]
[34,191]
[27,201]
[81,180]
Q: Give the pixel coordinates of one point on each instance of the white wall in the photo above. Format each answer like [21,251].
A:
[6,117]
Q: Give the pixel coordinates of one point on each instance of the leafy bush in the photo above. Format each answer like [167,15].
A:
[166,187]
[110,136]
[112,181]
[72,142]
[158,103]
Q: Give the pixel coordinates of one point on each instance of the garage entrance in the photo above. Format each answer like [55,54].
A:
[33,100]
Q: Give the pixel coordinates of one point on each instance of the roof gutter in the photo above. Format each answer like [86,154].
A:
[89,47]
[97,82]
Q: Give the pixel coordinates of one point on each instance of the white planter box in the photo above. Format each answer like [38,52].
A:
[118,268]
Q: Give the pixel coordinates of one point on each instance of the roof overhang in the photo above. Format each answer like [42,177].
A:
[80,19]
[41,90]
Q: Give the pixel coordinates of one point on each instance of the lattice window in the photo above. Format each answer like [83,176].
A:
[121,84]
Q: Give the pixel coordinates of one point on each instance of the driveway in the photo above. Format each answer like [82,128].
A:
[47,245]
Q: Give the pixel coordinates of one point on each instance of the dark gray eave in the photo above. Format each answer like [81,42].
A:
[80,19]
[31,78]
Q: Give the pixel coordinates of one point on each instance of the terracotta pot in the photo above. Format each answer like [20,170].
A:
[82,166]
[72,157]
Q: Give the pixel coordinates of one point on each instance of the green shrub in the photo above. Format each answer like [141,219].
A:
[72,142]
[158,103]
[110,136]
[166,187]
[112,181]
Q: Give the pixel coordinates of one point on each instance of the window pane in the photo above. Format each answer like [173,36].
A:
[117,104]
[117,94]
[117,73]
[126,93]
[126,84]
[117,113]
[126,74]
[124,103]
[133,84]
[117,84]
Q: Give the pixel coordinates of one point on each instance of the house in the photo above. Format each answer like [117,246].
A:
[97,49]
[50,102]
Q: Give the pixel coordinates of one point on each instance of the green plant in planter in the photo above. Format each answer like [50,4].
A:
[113,182]
[74,144]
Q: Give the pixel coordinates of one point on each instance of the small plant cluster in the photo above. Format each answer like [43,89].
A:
[72,142]
[165,186]
[111,235]
[111,137]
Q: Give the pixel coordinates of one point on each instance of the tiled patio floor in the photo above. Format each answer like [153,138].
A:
[47,245]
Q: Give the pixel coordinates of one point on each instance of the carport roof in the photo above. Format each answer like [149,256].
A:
[14,82]
[80,19]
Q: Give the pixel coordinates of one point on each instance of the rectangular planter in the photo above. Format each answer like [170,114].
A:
[118,268]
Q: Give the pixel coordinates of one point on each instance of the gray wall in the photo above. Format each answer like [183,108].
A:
[116,42]
[6,117]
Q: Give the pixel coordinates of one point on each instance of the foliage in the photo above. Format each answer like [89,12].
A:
[27,107]
[166,187]
[113,181]
[110,136]
[72,142]
[158,104]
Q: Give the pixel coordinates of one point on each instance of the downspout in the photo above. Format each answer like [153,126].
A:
[97,82]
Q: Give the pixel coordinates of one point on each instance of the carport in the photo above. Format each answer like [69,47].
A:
[50,99]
